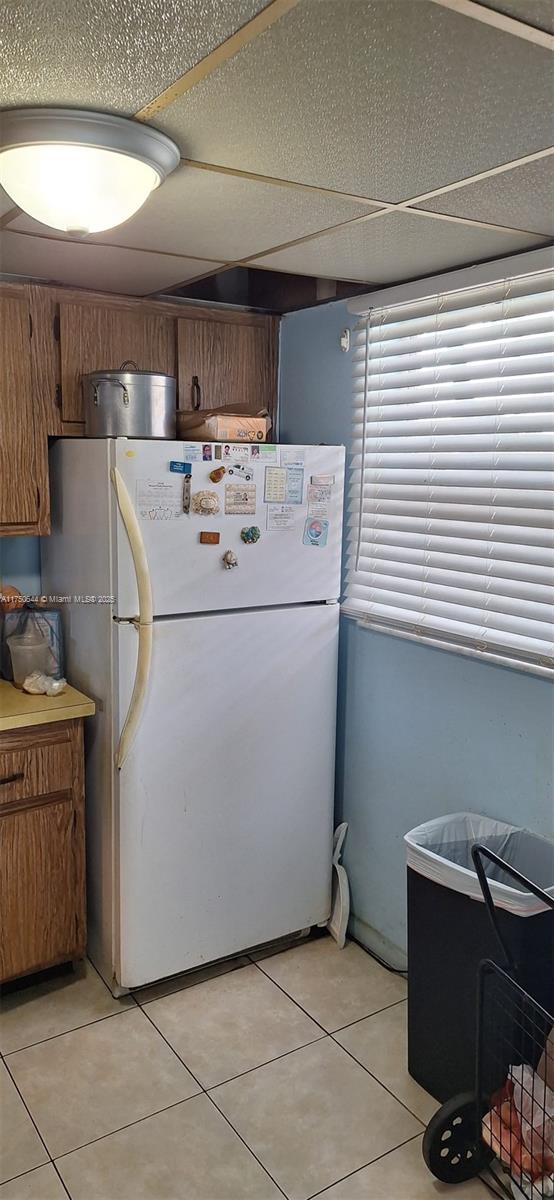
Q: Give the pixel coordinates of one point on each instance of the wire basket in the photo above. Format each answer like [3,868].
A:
[509,1118]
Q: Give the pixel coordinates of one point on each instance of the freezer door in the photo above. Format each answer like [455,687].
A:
[296,557]
[226,798]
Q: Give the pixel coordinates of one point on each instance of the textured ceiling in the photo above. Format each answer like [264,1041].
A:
[394,246]
[222,216]
[109,54]
[522,198]
[383,100]
[386,99]
[106,268]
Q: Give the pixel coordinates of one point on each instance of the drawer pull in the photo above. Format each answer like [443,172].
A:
[12,778]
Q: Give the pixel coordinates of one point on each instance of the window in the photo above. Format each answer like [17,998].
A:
[451,494]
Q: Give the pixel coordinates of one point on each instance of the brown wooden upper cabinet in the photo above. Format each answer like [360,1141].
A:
[96,337]
[23,449]
[226,363]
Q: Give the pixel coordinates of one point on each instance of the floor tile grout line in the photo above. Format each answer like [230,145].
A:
[28,1110]
[173,1050]
[206,1093]
[66,1032]
[245,1144]
[380,1082]
[129,1125]
[183,1100]
[376,1013]
[30,1171]
[291,998]
[62,1181]
[328,1032]
[266,1063]
[364,1166]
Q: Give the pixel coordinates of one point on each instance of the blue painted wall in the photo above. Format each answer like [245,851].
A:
[422,732]
[20,563]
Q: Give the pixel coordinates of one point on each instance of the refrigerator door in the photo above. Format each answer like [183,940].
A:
[291,495]
[225,800]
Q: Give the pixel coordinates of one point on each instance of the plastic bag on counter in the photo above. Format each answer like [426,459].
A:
[44,623]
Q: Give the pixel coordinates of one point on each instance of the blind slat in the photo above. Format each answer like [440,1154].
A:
[450,530]
[477,580]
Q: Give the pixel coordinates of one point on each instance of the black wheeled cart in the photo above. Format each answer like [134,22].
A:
[508,1117]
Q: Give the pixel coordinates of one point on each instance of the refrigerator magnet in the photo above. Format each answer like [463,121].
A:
[250,535]
[180,468]
[206,504]
[217,474]
[209,537]
[240,499]
[315,532]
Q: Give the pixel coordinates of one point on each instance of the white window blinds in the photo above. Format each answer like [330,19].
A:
[451,500]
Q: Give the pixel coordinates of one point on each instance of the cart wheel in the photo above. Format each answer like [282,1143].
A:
[449,1146]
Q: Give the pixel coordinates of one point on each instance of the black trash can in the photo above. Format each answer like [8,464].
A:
[449,932]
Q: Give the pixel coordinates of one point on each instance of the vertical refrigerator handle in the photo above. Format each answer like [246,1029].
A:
[145,615]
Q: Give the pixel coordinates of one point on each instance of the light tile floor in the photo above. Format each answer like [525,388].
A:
[272,1075]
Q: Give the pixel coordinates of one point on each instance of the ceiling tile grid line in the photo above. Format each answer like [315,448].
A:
[28,228]
[283,106]
[512,165]
[57,236]
[502,169]
[481,208]
[456,219]
[271,12]
[500,20]
[10,217]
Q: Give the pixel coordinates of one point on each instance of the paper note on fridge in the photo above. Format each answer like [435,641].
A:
[319,499]
[159,499]
[280,516]
[275,491]
[192,451]
[295,485]
[292,458]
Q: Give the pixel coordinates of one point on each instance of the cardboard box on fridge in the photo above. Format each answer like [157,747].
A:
[223,425]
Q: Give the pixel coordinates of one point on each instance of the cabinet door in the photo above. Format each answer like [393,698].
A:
[98,337]
[23,490]
[222,363]
[37,884]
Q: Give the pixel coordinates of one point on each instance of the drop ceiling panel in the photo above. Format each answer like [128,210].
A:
[113,54]
[539,13]
[381,98]
[105,268]
[393,247]
[221,216]
[522,198]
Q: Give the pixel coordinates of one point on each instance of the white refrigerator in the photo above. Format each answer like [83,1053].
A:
[200,588]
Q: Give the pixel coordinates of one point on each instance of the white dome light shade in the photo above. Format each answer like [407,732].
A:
[80,172]
[79,189]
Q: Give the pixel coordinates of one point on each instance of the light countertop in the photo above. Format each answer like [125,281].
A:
[18,710]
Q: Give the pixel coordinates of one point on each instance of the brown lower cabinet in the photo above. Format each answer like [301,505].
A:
[42,847]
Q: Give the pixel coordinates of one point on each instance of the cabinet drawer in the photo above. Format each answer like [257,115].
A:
[35,770]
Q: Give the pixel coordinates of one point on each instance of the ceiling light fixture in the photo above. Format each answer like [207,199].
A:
[80,171]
